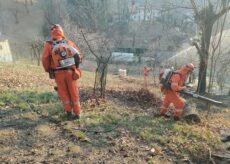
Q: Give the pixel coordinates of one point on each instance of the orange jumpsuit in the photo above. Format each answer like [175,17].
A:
[67,87]
[172,96]
[146,73]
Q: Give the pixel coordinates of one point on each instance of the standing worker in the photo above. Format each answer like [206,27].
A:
[146,74]
[177,81]
[61,59]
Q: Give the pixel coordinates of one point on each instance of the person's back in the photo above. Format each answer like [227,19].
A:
[63,57]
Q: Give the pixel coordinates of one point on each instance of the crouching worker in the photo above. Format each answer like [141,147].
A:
[61,59]
[171,83]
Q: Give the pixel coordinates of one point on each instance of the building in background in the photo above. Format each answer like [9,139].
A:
[5,52]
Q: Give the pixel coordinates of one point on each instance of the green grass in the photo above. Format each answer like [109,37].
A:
[198,134]
[67,128]
[8,97]
[80,135]
[26,99]
[33,104]
[106,121]
[178,137]
[29,115]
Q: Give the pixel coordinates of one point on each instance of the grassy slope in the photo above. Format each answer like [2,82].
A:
[120,130]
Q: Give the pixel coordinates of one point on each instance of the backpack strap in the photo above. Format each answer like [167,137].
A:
[53,42]
[175,73]
[50,42]
[166,81]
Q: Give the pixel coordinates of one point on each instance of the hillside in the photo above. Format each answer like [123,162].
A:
[28,27]
[121,129]
[30,21]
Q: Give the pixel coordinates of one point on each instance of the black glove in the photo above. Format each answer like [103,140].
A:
[77,60]
[51,73]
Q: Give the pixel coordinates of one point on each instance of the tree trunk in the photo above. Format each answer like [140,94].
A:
[202,76]
[100,78]
[27,6]
[206,18]
[204,54]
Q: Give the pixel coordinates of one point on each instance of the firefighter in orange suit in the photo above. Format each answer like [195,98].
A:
[172,96]
[146,73]
[61,58]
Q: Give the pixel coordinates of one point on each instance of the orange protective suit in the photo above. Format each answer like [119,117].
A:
[172,96]
[146,73]
[65,77]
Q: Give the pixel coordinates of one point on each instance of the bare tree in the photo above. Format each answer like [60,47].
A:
[52,11]
[215,53]
[101,50]
[36,47]
[15,11]
[205,18]
[223,74]
[27,6]
[2,27]
[122,10]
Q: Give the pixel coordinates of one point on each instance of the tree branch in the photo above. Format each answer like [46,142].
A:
[221,13]
[198,48]
[90,49]
[194,7]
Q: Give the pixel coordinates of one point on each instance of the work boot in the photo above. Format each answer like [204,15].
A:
[165,115]
[76,117]
[176,118]
[56,88]
[68,115]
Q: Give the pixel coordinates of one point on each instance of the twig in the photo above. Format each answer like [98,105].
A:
[187,160]
[90,49]
[98,131]
[210,156]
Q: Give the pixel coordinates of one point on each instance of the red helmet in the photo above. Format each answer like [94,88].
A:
[188,67]
[56,32]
